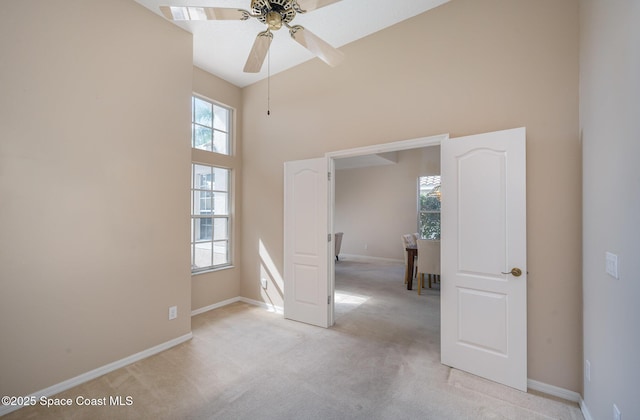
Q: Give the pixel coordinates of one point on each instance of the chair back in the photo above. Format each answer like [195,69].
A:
[409,240]
[428,256]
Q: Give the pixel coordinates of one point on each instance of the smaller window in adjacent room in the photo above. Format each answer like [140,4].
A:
[210,217]
[211,126]
[429,207]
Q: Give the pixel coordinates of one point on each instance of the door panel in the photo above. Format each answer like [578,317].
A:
[484,323]
[494,307]
[481,227]
[306,261]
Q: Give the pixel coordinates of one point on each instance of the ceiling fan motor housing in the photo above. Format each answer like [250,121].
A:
[269,10]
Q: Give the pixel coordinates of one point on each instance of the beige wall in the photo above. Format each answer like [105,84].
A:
[609,109]
[94,178]
[466,67]
[374,206]
[213,287]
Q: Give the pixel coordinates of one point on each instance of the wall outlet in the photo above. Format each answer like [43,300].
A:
[587,370]
[616,413]
[173,312]
[611,265]
[264,283]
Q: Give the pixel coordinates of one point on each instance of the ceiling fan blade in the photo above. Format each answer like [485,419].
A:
[309,5]
[316,45]
[258,52]
[203,13]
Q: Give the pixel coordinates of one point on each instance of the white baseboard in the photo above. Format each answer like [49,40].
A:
[269,307]
[554,390]
[561,393]
[215,306]
[87,376]
[367,258]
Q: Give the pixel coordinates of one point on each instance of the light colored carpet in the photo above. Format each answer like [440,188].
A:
[380,361]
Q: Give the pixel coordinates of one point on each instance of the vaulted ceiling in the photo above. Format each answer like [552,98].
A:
[221,47]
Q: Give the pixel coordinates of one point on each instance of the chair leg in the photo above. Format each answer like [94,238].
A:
[420,282]
[429,281]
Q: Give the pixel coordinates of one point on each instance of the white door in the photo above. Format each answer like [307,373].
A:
[306,242]
[483,295]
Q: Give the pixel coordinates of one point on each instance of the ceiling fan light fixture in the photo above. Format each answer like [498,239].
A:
[274,20]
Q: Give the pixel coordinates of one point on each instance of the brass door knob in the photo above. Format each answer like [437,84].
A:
[515,272]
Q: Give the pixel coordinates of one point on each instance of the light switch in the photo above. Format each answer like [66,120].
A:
[611,265]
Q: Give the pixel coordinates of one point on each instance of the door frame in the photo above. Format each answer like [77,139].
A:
[397,146]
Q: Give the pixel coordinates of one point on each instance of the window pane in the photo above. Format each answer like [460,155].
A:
[202,203]
[202,138]
[221,204]
[429,225]
[220,228]
[202,112]
[429,203]
[221,118]
[203,229]
[221,142]
[202,177]
[203,256]
[220,252]
[220,179]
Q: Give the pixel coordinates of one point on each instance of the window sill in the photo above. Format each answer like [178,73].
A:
[212,270]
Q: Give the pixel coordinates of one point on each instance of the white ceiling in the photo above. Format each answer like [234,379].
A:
[221,47]
[366,161]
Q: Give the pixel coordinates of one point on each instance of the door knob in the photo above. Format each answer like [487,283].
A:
[515,272]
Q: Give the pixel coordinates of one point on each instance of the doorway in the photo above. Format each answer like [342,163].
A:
[376,203]
[360,157]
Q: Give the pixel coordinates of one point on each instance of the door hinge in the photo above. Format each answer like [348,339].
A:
[328,237]
[329,176]
[329,300]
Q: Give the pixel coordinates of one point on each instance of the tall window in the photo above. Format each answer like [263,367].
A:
[211,126]
[429,207]
[210,186]
[210,217]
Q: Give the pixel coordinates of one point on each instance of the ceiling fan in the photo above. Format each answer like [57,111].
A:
[273,13]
